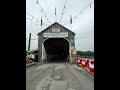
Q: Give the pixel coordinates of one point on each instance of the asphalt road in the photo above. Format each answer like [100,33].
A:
[58,76]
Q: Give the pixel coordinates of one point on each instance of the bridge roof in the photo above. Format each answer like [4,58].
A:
[59,25]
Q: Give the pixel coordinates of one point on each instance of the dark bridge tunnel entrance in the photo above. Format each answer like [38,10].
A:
[57,49]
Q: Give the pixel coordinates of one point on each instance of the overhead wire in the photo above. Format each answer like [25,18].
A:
[32,20]
[80,12]
[32,16]
[31,23]
[33,39]
[63,10]
[36,22]
[42,10]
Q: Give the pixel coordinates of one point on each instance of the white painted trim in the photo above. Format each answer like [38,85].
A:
[43,49]
[56,37]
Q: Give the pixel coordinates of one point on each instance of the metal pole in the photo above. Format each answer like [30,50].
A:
[55,15]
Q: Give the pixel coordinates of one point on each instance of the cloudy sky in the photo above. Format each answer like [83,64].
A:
[82,24]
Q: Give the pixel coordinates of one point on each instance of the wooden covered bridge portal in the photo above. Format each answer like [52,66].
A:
[56,43]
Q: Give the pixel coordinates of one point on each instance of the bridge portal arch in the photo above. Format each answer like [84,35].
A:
[56,48]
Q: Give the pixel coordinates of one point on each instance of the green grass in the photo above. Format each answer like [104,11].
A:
[85,56]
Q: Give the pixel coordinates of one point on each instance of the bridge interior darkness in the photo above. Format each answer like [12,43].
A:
[57,49]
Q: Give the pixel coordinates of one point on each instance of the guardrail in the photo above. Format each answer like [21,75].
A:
[86,64]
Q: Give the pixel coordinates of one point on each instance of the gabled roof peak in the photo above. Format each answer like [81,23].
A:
[53,24]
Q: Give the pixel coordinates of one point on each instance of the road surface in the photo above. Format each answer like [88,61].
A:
[58,76]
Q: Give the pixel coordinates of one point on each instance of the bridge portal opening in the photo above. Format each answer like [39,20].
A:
[57,49]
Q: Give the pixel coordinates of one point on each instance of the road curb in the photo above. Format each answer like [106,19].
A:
[86,70]
[27,65]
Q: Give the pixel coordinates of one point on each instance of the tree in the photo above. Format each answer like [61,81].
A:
[85,53]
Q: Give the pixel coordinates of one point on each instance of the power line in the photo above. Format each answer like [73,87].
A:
[36,18]
[43,11]
[33,39]
[79,13]
[63,10]
[36,22]
[32,23]
[83,37]
[83,10]
[32,20]
[32,16]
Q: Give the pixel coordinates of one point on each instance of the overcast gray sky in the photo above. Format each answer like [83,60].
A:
[82,25]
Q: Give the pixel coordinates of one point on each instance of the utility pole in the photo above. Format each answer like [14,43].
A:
[55,15]
[41,23]
[29,42]
[71,22]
